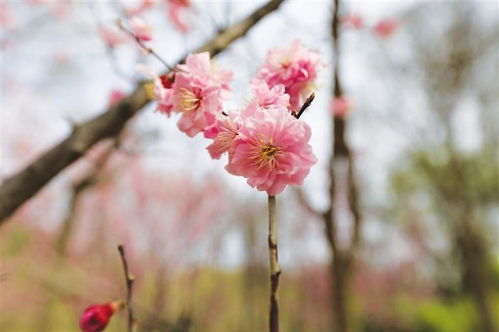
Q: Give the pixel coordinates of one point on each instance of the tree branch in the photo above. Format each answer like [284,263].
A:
[129,279]
[302,200]
[91,178]
[20,187]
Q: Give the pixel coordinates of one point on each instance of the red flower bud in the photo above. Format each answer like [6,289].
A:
[167,80]
[96,317]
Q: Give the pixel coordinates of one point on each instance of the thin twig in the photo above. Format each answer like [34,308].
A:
[275,270]
[144,46]
[129,279]
[305,105]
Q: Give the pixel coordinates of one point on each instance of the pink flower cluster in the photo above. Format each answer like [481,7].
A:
[266,145]
[295,67]
[264,141]
[196,91]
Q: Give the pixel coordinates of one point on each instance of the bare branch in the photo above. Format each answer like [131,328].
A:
[20,187]
[300,195]
[129,279]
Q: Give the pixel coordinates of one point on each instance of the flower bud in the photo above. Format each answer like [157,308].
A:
[96,317]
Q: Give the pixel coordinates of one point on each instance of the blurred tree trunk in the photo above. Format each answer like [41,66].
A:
[474,271]
[341,170]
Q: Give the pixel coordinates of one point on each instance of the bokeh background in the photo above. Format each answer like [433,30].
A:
[423,132]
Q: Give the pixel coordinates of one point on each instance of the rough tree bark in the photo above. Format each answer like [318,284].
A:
[20,187]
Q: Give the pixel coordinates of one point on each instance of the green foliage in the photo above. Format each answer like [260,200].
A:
[16,242]
[437,316]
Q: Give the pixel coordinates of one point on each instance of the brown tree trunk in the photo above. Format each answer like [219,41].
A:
[340,294]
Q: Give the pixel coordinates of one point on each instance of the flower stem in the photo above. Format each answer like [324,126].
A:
[275,270]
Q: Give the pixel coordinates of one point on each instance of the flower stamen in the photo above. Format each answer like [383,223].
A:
[189,101]
[265,155]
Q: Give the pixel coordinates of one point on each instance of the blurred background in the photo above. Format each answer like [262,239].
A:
[422,79]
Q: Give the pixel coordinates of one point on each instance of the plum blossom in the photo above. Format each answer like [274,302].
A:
[95,318]
[160,89]
[268,97]
[7,19]
[341,106]
[141,29]
[140,8]
[163,94]
[386,27]
[112,37]
[196,91]
[176,9]
[353,21]
[270,148]
[295,67]
[115,96]
[223,134]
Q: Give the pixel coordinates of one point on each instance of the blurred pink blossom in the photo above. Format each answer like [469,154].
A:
[112,37]
[386,27]
[341,106]
[141,29]
[295,67]
[353,21]
[176,9]
[140,8]
[37,2]
[271,149]
[7,19]
[115,97]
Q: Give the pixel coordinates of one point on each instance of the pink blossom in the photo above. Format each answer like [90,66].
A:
[140,8]
[37,2]
[197,102]
[200,67]
[140,29]
[295,67]
[386,27]
[226,128]
[115,97]
[341,106]
[223,133]
[112,37]
[197,92]
[163,94]
[354,21]
[267,97]
[271,150]
[7,20]
[176,9]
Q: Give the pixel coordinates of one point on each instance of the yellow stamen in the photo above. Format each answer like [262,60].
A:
[189,101]
[265,155]
[150,90]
